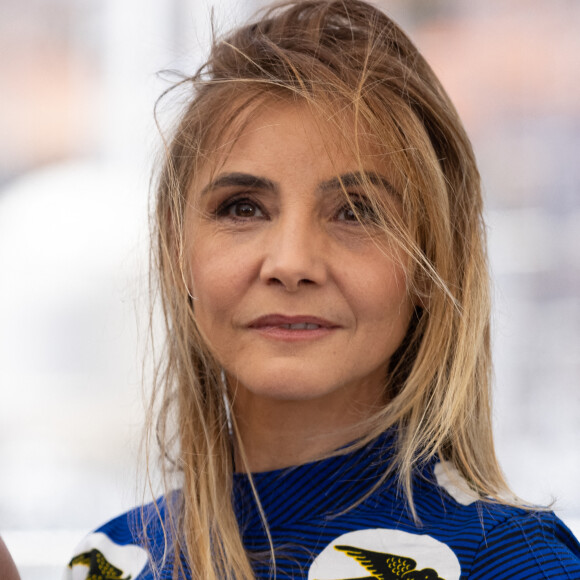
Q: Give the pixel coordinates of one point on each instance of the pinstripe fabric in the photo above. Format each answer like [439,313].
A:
[307,508]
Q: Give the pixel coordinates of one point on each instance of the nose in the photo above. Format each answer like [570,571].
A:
[295,254]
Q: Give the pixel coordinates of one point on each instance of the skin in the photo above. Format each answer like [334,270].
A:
[271,241]
[8,569]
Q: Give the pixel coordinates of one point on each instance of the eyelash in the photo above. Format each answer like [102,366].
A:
[225,208]
[361,210]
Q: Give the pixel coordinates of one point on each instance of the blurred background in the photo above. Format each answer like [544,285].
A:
[77,140]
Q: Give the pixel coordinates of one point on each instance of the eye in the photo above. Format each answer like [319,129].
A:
[361,210]
[240,208]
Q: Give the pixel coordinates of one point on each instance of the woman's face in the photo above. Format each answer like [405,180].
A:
[294,297]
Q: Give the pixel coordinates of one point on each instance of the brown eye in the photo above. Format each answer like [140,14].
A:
[243,209]
[361,210]
[240,209]
[347,214]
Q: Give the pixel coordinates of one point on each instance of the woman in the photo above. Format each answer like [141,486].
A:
[323,403]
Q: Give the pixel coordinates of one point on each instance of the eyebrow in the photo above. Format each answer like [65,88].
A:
[237,179]
[356,179]
[353,179]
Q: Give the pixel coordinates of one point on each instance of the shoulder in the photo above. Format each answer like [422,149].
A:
[528,545]
[508,541]
[121,547]
[8,569]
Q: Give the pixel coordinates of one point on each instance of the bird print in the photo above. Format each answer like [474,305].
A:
[384,566]
[99,567]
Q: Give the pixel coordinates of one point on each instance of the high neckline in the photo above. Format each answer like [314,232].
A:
[324,487]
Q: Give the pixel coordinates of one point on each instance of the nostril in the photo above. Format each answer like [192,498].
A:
[292,264]
[290,284]
[305,281]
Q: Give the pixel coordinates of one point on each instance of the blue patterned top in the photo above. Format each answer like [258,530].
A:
[319,535]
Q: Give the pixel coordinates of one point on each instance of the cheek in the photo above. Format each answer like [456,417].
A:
[217,278]
[210,304]
[383,299]
[210,286]
[379,285]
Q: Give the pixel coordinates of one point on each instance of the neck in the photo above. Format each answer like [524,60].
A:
[282,433]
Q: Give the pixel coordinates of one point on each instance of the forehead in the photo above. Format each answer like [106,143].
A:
[295,137]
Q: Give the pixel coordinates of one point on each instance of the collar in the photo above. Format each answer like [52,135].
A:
[320,488]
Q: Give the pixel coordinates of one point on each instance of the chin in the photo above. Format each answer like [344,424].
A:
[297,386]
[285,390]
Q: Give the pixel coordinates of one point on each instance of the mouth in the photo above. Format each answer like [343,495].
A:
[300,322]
[284,327]
[301,326]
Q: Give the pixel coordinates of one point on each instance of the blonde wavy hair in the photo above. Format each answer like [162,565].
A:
[335,56]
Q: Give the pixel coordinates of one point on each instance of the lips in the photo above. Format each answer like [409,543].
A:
[291,322]
[292,328]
